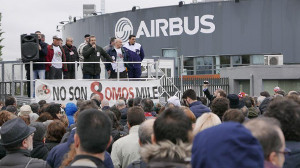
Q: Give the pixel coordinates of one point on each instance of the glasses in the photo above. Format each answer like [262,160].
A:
[286,152]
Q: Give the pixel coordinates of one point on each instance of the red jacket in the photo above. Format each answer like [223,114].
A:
[49,57]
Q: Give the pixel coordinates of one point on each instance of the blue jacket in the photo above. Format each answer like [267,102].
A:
[135,53]
[228,145]
[293,159]
[198,108]
[56,155]
[113,53]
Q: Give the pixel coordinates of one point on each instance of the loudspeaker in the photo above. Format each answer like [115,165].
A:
[29,47]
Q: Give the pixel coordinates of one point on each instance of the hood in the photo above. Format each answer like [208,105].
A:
[229,144]
[70,109]
[166,150]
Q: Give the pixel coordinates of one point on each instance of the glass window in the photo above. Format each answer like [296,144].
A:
[188,64]
[225,61]
[245,59]
[204,65]
[258,59]
[236,60]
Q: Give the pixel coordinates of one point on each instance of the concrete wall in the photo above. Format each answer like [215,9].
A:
[256,74]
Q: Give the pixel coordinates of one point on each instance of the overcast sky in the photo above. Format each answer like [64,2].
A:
[27,16]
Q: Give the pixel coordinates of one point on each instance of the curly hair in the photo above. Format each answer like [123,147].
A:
[219,106]
[287,112]
[55,131]
[5,116]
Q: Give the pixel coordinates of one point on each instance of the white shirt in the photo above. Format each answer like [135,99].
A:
[119,58]
[57,57]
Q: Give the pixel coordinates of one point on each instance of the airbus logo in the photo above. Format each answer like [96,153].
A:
[166,27]
[123,29]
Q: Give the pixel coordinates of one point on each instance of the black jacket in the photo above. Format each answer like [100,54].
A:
[39,151]
[71,58]
[293,159]
[82,161]
[20,158]
[93,55]
[209,96]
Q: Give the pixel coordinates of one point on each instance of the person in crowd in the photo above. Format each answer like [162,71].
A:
[245,150]
[280,93]
[42,103]
[1,104]
[35,107]
[218,93]
[147,105]
[55,132]
[219,106]
[12,109]
[276,89]
[89,142]
[203,100]
[44,117]
[267,131]
[4,116]
[292,92]
[135,53]
[56,155]
[117,129]
[38,69]
[287,112]
[117,53]
[55,56]
[175,101]
[39,151]
[249,103]
[92,53]
[265,104]
[54,110]
[130,102]
[205,121]
[17,138]
[43,38]
[233,115]
[120,104]
[137,101]
[80,48]
[171,141]
[190,99]
[71,56]
[33,117]
[25,110]
[126,149]
[104,105]
[188,113]
[9,100]
[96,98]
[70,110]
[235,102]
[264,93]
[145,133]
[111,44]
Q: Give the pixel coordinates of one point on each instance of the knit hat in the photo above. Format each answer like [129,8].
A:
[277,88]
[235,102]
[25,110]
[40,131]
[174,100]
[227,145]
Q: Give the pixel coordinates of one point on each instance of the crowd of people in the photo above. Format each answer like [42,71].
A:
[57,53]
[218,130]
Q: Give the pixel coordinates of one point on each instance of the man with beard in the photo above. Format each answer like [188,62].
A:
[17,138]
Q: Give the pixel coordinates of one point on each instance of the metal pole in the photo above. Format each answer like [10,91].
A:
[156,69]
[118,74]
[148,71]
[181,80]
[13,80]
[31,80]
[3,92]
[22,77]
[76,69]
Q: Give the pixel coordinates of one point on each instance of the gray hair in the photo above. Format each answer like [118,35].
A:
[145,131]
[120,103]
[267,132]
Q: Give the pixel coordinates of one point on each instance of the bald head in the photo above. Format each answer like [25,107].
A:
[69,41]
[118,43]
[145,131]
[104,102]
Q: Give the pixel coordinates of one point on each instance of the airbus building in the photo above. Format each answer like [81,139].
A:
[255,43]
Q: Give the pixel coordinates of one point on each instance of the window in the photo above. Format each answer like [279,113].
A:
[205,65]
[188,64]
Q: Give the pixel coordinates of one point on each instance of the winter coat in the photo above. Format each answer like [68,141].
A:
[123,120]
[293,159]
[70,110]
[166,154]
[56,155]
[93,55]
[49,58]
[113,53]
[20,158]
[39,151]
[198,108]
[86,161]
[135,53]
[71,58]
